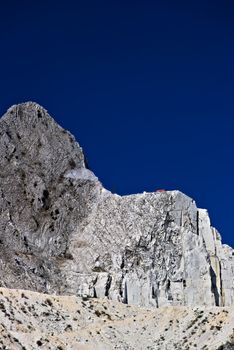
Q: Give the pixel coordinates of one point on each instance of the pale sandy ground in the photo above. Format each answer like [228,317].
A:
[30,320]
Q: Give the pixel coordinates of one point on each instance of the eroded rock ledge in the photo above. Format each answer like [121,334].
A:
[62,232]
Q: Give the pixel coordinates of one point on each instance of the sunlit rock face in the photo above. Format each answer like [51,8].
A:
[62,232]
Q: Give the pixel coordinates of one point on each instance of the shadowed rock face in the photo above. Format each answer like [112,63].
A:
[62,232]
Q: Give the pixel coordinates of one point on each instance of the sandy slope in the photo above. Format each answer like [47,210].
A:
[30,320]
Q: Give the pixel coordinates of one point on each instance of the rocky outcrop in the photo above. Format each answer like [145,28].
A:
[62,232]
[35,321]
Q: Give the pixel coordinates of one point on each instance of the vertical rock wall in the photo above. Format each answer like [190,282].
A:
[62,232]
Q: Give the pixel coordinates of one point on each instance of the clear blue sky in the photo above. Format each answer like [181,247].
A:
[147,88]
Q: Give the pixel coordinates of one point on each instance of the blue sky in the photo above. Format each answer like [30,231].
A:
[147,88]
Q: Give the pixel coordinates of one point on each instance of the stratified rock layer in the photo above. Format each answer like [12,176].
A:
[62,232]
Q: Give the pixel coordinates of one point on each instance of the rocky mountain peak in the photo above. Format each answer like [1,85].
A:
[29,115]
[31,108]
[62,232]
[29,126]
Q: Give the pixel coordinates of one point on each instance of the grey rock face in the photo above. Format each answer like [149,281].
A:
[62,232]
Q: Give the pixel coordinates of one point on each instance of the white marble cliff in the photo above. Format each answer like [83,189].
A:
[62,232]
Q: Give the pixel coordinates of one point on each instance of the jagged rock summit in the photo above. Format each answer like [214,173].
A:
[62,232]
